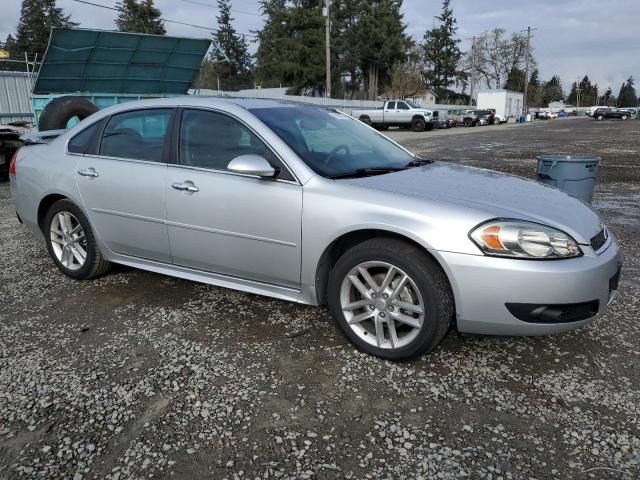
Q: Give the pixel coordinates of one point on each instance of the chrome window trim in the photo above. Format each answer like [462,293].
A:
[235,174]
[119,159]
[252,130]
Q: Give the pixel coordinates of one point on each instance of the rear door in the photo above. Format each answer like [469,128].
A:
[226,223]
[122,183]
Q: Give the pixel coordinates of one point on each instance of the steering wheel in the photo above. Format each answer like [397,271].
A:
[333,153]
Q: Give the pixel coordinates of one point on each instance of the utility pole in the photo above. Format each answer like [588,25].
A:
[473,69]
[327,23]
[525,106]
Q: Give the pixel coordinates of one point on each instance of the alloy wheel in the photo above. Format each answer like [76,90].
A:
[382,305]
[68,240]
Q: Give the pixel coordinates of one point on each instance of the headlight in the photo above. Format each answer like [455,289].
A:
[519,239]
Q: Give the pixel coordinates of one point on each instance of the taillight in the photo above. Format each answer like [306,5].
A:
[12,165]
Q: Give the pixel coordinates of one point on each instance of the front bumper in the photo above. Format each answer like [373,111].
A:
[483,286]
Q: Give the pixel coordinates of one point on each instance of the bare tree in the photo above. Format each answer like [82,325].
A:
[406,78]
[495,55]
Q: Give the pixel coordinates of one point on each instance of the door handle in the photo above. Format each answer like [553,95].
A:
[185,187]
[89,172]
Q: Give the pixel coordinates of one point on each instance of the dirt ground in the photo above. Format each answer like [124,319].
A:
[137,375]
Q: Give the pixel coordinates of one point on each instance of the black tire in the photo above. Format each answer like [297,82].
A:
[59,111]
[426,274]
[418,125]
[366,120]
[94,264]
[468,122]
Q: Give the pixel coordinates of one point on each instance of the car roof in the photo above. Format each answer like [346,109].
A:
[204,101]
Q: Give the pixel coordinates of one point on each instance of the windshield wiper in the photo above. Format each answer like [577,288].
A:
[418,162]
[364,172]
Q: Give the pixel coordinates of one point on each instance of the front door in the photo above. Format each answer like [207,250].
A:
[225,223]
[122,186]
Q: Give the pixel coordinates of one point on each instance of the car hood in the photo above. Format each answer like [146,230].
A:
[495,194]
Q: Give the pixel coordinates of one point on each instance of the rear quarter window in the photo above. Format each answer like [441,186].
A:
[86,141]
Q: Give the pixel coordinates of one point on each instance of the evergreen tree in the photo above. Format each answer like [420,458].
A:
[9,46]
[534,90]
[367,39]
[37,18]
[269,67]
[233,72]
[441,53]
[139,17]
[627,96]
[552,91]
[515,80]
[382,42]
[588,93]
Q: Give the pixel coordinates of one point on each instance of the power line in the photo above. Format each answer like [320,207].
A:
[85,2]
[232,9]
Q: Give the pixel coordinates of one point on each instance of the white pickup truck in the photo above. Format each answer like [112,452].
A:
[398,113]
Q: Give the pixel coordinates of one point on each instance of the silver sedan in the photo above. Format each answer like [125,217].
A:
[309,205]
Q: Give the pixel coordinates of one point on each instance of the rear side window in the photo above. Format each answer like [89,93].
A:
[391,105]
[138,135]
[86,140]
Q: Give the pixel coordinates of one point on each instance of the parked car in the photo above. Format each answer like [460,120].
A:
[602,113]
[498,119]
[478,117]
[400,248]
[441,122]
[456,116]
[546,115]
[398,113]
[634,112]
[562,114]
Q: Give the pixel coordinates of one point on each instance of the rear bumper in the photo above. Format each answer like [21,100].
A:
[483,286]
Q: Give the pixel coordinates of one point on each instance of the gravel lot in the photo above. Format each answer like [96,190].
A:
[137,375]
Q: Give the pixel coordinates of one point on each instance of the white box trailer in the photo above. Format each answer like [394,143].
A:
[506,103]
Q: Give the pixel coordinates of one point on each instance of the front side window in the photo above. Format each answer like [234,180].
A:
[402,106]
[331,143]
[211,140]
[138,135]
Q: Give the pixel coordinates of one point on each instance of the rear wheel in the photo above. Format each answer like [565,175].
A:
[390,299]
[600,117]
[365,120]
[418,125]
[71,242]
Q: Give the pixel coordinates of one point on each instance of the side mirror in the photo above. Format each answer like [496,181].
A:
[251,165]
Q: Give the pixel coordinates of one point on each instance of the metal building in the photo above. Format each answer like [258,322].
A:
[15,93]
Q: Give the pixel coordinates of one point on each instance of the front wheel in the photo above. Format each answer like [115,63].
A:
[624,117]
[418,125]
[468,122]
[71,242]
[390,299]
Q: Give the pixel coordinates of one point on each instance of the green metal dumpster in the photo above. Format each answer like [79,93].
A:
[573,174]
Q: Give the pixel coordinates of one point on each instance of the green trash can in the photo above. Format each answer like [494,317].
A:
[573,174]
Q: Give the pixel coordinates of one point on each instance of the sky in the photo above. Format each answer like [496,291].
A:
[599,38]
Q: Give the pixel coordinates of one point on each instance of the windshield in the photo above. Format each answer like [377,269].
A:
[331,143]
